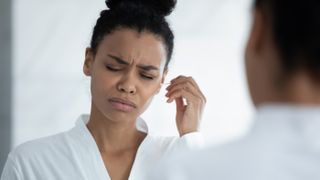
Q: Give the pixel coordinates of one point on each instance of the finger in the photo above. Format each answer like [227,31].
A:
[196,84]
[187,86]
[180,79]
[190,98]
[174,79]
[188,79]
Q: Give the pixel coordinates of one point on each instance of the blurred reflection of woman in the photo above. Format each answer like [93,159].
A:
[282,61]
[127,61]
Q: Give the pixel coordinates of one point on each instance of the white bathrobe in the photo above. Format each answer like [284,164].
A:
[284,144]
[74,155]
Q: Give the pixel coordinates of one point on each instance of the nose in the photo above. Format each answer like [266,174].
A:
[127,89]
[127,85]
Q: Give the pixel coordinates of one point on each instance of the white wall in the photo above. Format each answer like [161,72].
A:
[51,92]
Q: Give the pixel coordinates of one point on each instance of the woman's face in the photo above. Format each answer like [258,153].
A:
[126,72]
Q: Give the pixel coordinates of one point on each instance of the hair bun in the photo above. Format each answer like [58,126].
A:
[160,7]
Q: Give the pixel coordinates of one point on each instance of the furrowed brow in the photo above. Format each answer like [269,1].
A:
[118,60]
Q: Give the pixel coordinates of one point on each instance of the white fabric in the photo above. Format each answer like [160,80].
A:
[284,144]
[74,155]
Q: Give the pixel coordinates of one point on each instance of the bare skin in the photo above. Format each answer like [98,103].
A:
[117,143]
[126,72]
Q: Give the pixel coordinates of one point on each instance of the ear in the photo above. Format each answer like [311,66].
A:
[257,35]
[164,75]
[88,62]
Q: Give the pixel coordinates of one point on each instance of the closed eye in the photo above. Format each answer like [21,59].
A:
[112,68]
[116,69]
[147,77]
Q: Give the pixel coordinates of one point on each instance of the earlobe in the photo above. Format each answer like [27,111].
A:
[88,62]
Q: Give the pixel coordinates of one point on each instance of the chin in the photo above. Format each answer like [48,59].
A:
[116,115]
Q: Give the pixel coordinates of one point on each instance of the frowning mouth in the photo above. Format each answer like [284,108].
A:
[122,104]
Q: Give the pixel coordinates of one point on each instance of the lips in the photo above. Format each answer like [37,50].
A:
[122,104]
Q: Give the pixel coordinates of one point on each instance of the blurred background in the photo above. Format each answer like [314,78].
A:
[43,89]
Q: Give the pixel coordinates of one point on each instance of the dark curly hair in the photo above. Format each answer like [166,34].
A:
[296,33]
[140,15]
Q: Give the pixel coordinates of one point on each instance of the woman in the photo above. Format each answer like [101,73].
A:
[127,61]
[283,70]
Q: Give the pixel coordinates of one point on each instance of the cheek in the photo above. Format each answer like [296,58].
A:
[96,91]
[147,95]
[247,58]
[101,84]
[250,74]
[249,65]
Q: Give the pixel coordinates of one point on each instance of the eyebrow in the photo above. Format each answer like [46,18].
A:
[119,60]
[123,62]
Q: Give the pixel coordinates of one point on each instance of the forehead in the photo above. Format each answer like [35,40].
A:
[129,44]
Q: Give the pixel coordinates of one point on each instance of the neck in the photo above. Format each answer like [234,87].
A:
[112,135]
[299,89]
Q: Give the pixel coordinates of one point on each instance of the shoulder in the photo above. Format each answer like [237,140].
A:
[40,148]
[36,154]
[218,162]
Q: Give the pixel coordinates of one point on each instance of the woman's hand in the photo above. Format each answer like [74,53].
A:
[189,113]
